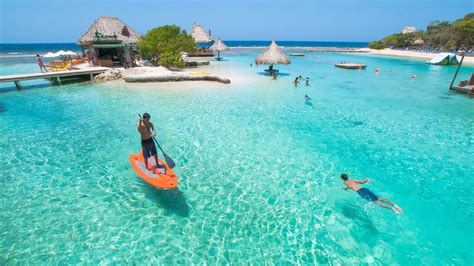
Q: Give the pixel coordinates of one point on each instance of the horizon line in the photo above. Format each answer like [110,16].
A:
[222,40]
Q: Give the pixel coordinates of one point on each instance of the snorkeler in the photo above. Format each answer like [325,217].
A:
[369,195]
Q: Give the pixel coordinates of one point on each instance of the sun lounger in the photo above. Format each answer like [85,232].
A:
[64,67]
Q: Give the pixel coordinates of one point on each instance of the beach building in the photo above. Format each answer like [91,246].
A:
[109,42]
[406,30]
[418,42]
[201,36]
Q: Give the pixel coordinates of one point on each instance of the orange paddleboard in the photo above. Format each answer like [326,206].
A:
[156,177]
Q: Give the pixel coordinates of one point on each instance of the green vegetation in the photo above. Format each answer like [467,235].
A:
[438,35]
[398,40]
[163,46]
[465,29]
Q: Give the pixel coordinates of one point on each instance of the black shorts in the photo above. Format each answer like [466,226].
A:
[148,147]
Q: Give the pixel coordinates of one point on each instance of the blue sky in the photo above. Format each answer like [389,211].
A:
[33,21]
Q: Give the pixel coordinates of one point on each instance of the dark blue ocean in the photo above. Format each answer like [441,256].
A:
[29,49]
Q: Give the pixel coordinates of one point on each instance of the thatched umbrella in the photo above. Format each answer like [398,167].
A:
[419,42]
[272,56]
[219,46]
[199,33]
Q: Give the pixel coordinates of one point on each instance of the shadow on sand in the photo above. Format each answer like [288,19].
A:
[173,201]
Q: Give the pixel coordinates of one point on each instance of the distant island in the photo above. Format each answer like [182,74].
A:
[439,35]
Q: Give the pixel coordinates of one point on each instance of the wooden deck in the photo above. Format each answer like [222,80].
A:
[469,89]
[466,87]
[91,71]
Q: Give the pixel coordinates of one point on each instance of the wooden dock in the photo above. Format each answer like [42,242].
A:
[465,87]
[53,76]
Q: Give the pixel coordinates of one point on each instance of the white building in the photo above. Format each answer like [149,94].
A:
[408,30]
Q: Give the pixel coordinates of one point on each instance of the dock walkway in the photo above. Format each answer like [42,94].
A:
[90,71]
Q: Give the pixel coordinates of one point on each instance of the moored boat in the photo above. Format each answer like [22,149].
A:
[350,66]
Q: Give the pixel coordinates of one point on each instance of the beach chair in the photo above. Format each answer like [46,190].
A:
[64,67]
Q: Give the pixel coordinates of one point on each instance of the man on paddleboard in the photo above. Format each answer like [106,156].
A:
[147,132]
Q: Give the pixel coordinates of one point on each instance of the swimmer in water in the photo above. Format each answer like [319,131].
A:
[413,77]
[296,82]
[307,82]
[307,97]
[369,195]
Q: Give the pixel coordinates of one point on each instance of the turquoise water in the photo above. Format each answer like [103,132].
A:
[259,169]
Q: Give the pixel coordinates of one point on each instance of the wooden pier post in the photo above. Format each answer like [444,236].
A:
[455,74]
[18,85]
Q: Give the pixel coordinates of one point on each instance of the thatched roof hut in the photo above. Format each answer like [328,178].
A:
[419,42]
[110,27]
[272,56]
[199,33]
[219,46]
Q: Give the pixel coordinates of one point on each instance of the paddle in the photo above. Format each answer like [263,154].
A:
[168,159]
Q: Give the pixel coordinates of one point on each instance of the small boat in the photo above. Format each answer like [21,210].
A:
[350,66]
[157,177]
[297,54]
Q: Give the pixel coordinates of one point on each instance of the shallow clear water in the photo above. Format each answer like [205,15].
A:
[259,169]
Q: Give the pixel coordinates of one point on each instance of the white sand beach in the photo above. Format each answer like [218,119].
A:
[468,60]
